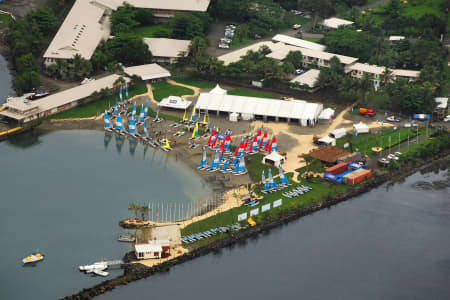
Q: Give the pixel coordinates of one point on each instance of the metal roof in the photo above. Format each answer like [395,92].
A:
[335,22]
[183,5]
[147,72]
[309,78]
[298,42]
[163,47]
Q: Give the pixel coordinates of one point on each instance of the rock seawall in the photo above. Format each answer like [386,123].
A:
[133,272]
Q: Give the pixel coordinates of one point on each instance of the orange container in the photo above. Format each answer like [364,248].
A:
[337,169]
[359,177]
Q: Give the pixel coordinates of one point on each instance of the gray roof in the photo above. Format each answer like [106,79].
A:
[147,72]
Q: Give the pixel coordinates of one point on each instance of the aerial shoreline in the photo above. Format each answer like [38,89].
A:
[133,272]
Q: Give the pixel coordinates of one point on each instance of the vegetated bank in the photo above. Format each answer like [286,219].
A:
[434,150]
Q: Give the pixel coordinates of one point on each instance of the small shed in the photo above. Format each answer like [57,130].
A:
[274,159]
[361,128]
[326,114]
[152,250]
[338,133]
[234,117]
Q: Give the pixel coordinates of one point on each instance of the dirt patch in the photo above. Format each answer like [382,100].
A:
[19,8]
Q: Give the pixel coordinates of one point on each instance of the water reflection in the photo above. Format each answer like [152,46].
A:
[107,139]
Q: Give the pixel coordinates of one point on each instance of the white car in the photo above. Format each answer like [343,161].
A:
[447,118]
[296,26]
[397,153]
[392,156]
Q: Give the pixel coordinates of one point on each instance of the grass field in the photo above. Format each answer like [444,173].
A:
[248,93]
[236,43]
[414,9]
[164,89]
[160,30]
[95,108]
[195,82]
[4,19]
[314,40]
[365,142]
[320,191]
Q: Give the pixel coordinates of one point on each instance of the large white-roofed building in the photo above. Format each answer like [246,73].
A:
[236,55]
[309,78]
[289,40]
[167,50]
[80,33]
[359,69]
[160,8]
[335,23]
[25,111]
[306,114]
[152,72]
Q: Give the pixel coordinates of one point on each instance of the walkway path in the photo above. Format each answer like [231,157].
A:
[194,88]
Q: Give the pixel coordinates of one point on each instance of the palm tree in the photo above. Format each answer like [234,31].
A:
[62,66]
[134,207]
[119,82]
[386,77]
[144,210]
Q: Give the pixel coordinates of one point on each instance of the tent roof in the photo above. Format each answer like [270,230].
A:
[360,126]
[274,156]
[175,102]
[326,113]
[327,140]
[339,130]
[218,90]
[147,72]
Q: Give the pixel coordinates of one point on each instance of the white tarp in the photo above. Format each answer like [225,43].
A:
[277,203]
[361,128]
[338,133]
[327,141]
[254,212]
[174,102]
[242,217]
[265,207]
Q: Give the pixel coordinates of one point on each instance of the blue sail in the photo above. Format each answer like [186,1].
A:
[106,118]
[240,167]
[146,109]
[215,162]
[203,160]
[235,160]
[121,97]
[126,90]
[272,183]
[116,110]
[133,114]
[283,178]
[145,130]
[132,127]
[225,165]
[119,125]
[141,115]
[265,186]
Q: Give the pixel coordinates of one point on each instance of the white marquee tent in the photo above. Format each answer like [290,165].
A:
[274,159]
[338,133]
[361,128]
[174,102]
[326,140]
[326,114]
[218,90]
[295,110]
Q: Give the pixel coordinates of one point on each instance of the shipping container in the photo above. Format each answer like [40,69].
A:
[352,173]
[336,169]
[361,176]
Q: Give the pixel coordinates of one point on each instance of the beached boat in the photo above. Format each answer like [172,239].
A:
[35,257]
[127,238]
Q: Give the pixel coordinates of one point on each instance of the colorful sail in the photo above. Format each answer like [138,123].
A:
[265,186]
[225,165]
[126,90]
[145,130]
[119,125]
[203,160]
[215,162]
[195,132]
[273,145]
[267,146]
[193,115]
[132,127]
[167,145]
[141,115]
[254,146]
[221,156]
[211,136]
[214,141]
[283,178]
[227,143]
[120,94]
[204,120]
[264,139]
[146,110]
[246,144]
[106,119]
[116,110]
[184,116]
[272,183]
[240,166]
[133,113]
[258,135]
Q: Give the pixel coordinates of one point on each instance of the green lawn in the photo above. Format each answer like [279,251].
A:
[160,30]
[320,191]
[293,19]
[255,167]
[314,40]
[236,43]
[414,9]
[164,89]
[95,108]
[249,93]
[195,82]
[365,142]
[4,19]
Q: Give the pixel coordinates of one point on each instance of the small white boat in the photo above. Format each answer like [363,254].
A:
[35,257]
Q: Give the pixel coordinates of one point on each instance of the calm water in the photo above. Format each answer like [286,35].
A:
[64,193]
[392,243]
[5,80]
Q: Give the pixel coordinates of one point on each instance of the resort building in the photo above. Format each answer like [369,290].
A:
[335,23]
[151,72]
[24,111]
[296,111]
[160,8]
[166,50]
[357,70]
[152,250]
[289,40]
[311,57]
[80,33]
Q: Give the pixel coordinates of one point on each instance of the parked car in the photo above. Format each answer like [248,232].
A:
[393,119]
[299,71]
[397,153]
[447,118]
[296,26]
[392,156]
[383,161]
